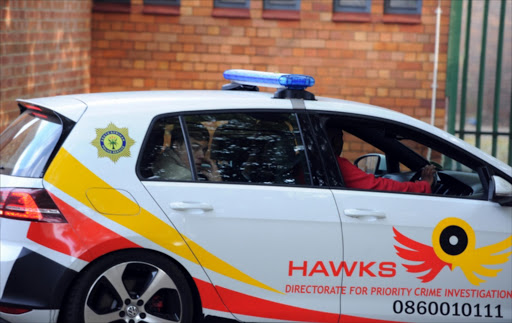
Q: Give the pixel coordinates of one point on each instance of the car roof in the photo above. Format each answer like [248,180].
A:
[167,101]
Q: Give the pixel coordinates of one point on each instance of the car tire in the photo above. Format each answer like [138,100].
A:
[132,286]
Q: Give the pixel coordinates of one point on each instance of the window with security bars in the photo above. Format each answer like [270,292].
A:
[241,4]
[363,6]
[281,4]
[410,7]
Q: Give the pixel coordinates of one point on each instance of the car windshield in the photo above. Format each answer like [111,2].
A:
[26,145]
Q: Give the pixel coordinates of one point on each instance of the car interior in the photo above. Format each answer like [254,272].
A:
[399,152]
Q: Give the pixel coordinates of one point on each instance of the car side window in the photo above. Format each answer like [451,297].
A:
[260,148]
[393,155]
[165,156]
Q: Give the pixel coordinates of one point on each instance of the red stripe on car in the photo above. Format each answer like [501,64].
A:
[81,237]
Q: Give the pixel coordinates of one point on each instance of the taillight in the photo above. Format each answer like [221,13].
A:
[14,310]
[31,204]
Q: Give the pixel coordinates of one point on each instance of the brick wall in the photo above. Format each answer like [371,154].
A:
[383,63]
[44,50]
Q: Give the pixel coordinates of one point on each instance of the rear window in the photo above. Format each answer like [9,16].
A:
[27,144]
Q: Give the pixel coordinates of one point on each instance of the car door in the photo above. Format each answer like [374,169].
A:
[441,257]
[252,212]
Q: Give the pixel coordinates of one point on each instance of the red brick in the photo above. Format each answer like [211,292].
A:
[410,66]
[263,42]
[321,6]
[385,46]
[383,102]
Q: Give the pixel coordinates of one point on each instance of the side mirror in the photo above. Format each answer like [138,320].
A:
[372,164]
[500,190]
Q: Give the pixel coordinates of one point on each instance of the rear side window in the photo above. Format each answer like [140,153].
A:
[260,148]
[27,144]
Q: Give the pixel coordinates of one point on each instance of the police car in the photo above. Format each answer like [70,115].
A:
[184,206]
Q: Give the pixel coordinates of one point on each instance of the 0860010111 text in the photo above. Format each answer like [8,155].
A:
[446,309]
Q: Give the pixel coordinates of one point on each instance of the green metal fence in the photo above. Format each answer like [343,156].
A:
[480,112]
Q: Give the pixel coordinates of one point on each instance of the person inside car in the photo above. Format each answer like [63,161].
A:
[354,177]
[174,162]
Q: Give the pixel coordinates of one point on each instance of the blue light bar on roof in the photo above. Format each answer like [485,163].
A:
[266,79]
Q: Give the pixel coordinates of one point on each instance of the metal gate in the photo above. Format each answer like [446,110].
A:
[479,75]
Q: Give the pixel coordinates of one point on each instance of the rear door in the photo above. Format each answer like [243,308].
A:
[252,200]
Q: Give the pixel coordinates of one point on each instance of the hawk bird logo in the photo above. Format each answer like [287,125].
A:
[453,245]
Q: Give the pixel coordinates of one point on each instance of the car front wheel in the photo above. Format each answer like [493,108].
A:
[132,287]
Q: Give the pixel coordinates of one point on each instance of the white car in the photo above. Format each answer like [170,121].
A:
[192,206]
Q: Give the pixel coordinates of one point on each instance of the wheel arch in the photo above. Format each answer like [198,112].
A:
[197,304]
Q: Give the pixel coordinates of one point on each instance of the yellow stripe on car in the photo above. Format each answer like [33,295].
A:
[72,177]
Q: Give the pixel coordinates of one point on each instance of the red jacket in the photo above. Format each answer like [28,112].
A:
[356,178]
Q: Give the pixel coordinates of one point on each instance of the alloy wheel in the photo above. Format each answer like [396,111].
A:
[133,292]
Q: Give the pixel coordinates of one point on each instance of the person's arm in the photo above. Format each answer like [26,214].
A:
[356,178]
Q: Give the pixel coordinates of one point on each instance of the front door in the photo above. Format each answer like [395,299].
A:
[440,256]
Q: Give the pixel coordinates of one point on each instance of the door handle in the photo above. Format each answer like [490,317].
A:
[184,206]
[364,213]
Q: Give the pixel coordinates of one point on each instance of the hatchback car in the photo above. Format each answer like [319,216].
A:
[184,206]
